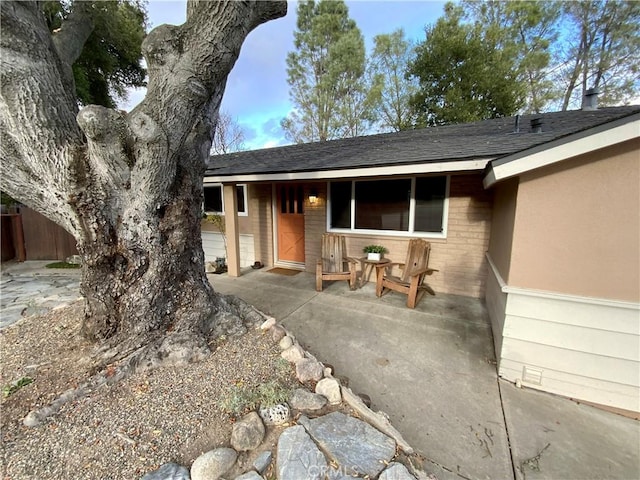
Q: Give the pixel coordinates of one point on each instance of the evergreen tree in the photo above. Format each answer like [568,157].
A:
[464,72]
[111,59]
[325,74]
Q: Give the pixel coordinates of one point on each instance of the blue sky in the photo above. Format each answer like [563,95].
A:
[257,94]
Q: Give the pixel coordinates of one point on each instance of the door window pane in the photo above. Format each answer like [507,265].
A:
[300,200]
[383,204]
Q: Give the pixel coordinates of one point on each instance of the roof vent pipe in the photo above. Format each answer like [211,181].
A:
[590,100]
[517,127]
[536,125]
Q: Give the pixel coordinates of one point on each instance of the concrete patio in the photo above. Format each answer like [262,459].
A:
[432,370]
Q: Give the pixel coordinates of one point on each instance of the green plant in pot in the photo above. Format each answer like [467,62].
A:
[374,252]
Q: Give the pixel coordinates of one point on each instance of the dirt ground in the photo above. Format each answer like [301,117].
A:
[127,429]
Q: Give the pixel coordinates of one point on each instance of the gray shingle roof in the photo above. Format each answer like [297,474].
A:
[485,139]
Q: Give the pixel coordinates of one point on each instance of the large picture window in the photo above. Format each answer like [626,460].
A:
[409,206]
[214,199]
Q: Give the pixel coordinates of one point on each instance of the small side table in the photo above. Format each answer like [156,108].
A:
[367,266]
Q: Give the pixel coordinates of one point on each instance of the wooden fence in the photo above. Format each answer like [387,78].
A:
[45,240]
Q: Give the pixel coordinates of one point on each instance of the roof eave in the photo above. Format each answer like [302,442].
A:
[602,136]
[467,165]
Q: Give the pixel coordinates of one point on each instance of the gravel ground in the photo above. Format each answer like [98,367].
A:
[125,430]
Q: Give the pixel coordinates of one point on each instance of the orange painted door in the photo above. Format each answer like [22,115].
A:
[290,226]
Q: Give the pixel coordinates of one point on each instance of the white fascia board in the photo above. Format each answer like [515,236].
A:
[412,169]
[556,151]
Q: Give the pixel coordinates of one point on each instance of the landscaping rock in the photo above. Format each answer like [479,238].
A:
[303,399]
[249,476]
[396,471]
[248,433]
[330,388]
[338,474]
[275,415]
[168,471]
[213,464]
[293,354]
[343,379]
[352,443]
[262,461]
[366,399]
[277,333]
[268,323]
[308,369]
[286,342]
[379,420]
[298,457]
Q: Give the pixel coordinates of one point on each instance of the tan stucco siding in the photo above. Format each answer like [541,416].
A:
[502,224]
[577,227]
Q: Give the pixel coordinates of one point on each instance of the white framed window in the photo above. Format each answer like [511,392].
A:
[214,199]
[408,206]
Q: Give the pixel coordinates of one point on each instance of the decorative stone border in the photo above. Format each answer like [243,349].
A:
[334,445]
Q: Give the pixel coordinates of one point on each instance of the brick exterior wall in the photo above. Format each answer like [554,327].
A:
[315,224]
[460,258]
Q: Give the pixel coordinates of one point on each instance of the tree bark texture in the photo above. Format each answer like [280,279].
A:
[128,186]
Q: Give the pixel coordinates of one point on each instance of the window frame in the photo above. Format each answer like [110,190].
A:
[243,213]
[412,211]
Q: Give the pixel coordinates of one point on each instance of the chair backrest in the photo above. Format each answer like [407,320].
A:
[333,251]
[417,257]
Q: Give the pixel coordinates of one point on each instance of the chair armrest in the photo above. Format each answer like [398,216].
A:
[350,259]
[390,264]
[421,271]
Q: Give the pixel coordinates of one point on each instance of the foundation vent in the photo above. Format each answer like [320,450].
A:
[532,376]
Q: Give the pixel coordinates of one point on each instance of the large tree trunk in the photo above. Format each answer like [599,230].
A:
[127,186]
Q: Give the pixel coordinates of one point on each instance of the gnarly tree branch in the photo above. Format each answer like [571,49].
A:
[41,139]
[70,38]
[179,59]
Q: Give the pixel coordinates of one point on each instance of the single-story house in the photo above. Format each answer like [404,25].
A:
[537,214]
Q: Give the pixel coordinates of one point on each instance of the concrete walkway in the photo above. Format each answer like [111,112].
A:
[431,369]
[29,288]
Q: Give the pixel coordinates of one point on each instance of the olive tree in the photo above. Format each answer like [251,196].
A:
[127,186]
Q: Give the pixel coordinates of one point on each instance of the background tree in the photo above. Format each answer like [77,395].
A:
[325,70]
[228,135]
[110,61]
[464,72]
[388,65]
[355,112]
[530,30]
[603,51]
[128,186]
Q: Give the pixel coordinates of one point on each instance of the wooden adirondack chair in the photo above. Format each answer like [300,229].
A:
[414,270]
[335,264]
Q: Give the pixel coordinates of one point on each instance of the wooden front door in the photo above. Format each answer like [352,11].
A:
[290,198]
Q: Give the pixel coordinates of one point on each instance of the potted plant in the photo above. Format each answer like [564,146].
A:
[374,252]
